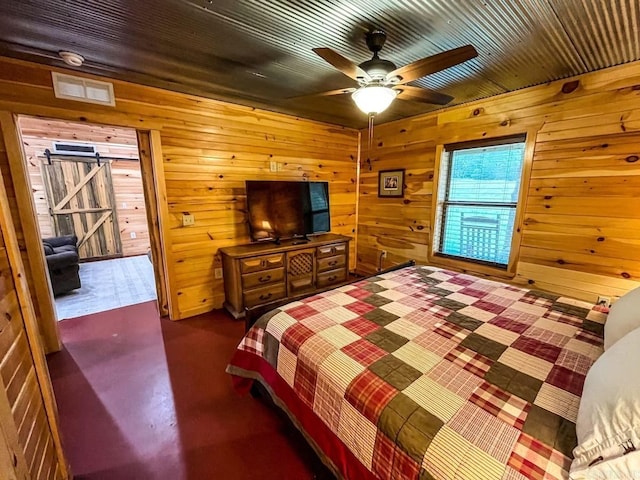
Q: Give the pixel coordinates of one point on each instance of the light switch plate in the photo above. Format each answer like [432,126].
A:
[217,272]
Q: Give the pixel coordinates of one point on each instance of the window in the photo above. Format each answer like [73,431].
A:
[319,193]
[478,191]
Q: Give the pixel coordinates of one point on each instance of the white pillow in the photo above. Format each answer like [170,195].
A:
[623,317]
[609,415]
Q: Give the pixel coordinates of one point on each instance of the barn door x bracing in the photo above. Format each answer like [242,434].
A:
[81,202]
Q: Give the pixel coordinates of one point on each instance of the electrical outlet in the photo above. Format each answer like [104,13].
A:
[604,301]
[188,219]
[124,204]
[217,273]
[384,254]
[133,234]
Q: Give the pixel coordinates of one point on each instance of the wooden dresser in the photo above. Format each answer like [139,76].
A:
[261,273]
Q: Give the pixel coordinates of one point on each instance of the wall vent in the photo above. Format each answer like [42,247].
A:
[81,89]
[69,148]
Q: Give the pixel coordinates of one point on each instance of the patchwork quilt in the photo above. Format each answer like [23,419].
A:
[423,373]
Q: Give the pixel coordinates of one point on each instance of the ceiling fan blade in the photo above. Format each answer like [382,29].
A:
[433,64]
[343,64]
[339,91]
[407,92]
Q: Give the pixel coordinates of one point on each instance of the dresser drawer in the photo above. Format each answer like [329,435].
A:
[265,277]
[331,263]
[331,277]
[264,262]
[331,250]
[266,294]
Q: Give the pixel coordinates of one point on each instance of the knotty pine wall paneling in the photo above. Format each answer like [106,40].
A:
[209,149]
[39,134]
[28,413]
[580,224]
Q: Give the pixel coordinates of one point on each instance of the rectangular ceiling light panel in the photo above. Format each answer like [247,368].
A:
[81,89]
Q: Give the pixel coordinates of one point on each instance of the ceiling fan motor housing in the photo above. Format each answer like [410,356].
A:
[377,68]
[375,40]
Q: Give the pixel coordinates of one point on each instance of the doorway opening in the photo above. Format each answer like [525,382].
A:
[88,191]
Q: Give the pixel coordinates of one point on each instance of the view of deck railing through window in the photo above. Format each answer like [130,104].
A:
[477,200]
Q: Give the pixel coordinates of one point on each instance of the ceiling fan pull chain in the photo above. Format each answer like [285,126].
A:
[371,115]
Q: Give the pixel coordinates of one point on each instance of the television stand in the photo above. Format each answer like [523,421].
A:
[260,273]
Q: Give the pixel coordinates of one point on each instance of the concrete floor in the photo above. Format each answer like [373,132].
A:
[109,284]
[145,398]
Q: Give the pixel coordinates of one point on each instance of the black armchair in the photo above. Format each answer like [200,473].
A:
[63,263]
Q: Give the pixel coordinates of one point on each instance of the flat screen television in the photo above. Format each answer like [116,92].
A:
[284,209]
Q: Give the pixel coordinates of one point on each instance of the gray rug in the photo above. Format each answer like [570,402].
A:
[109,284]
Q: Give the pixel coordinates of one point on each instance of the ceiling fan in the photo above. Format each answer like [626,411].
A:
[380,81]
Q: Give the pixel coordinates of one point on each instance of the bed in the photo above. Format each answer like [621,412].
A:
[423,373]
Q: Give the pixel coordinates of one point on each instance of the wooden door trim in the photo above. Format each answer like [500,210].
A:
[32,328]
[166,249]
[151,205]
[33,238]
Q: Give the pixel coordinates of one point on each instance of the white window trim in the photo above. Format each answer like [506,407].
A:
[516,239]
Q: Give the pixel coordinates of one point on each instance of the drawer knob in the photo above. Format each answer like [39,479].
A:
[265,297]
[263,263]
[333,262]
[264,279]
[332,278]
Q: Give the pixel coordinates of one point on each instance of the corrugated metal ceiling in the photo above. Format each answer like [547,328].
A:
[259,52]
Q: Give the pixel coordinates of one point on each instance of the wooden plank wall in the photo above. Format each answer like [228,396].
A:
[38,134]
[210,148]
[20,391]
[581,220]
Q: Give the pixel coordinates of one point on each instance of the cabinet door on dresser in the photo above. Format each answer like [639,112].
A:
[301,271]
[331,264]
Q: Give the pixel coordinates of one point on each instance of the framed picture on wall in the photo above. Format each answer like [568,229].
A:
[391,183]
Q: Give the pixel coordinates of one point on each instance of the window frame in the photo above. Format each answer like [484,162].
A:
[437,258]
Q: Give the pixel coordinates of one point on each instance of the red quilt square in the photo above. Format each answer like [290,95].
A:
[471,361]
[509,324]
[295,336]
[253,341]
[461,280]
[364,352]
[509,408]
[563,318]
[360,307]
[537,348]
[313,298]
[473,292]
[489,307]
[361,326]
[301,312]
[537,461]
[591,338]
[448,330]
[566,379]
[369,394]
[391,463]
[359,293]
[304,382]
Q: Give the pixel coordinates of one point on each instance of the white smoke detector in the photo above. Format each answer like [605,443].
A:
[73,59]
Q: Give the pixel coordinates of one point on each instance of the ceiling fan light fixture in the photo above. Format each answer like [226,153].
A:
[374,99]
